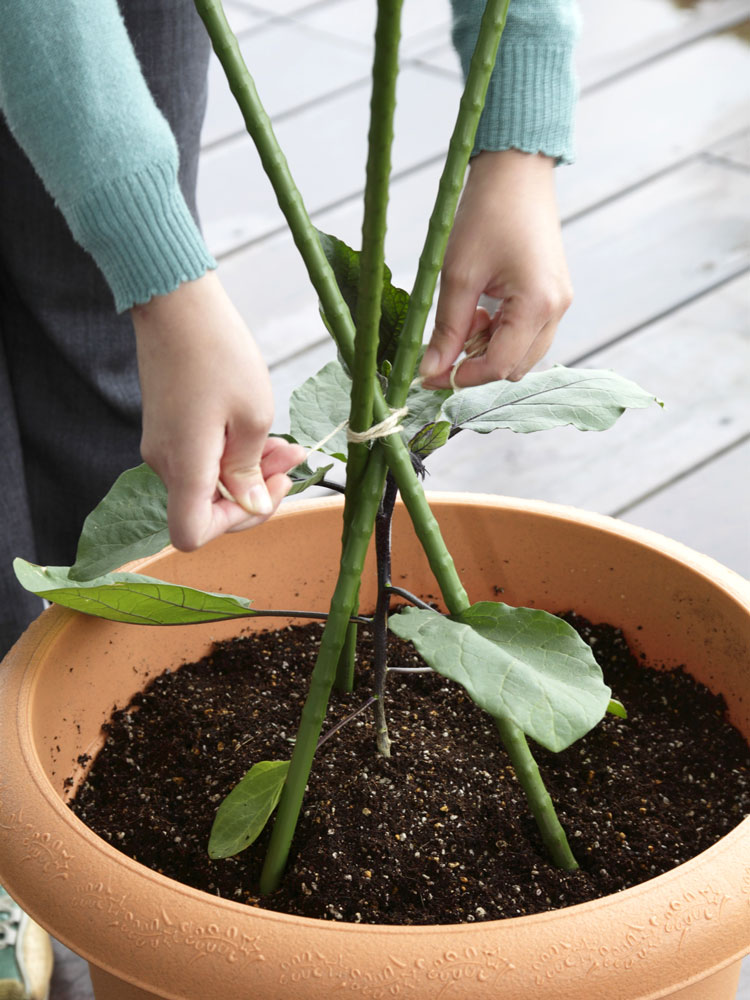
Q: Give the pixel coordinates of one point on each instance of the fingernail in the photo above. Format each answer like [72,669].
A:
[258,500]
[430,362]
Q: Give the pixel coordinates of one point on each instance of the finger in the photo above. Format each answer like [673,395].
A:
[535,353]
[241,473]
[190,499]
[278,486]
[280,456]
[226,516]
[479,326]
[456,312]
[514,329]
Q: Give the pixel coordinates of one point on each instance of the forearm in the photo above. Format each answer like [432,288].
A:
[73,93]
[532,94]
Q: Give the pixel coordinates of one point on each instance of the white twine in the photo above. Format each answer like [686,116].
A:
[391,425]
[475,347]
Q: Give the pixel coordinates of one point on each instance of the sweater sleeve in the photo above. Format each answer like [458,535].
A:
[74,96]
[533,89]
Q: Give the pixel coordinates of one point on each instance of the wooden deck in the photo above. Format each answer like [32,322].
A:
[656,222]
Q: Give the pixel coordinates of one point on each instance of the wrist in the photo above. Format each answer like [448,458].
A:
[186,294]
[511,161]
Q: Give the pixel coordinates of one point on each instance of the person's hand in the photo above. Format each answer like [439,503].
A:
[506,243]
[207,411]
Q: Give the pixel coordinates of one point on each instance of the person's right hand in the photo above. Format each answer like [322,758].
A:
[505,242]
[207,411]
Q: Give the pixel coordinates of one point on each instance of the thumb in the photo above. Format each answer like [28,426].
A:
[454,319]
[241,472]
[247,488]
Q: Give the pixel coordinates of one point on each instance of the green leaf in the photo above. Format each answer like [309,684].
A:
[430,438]
[394,301]
[318,406]
[520,664]
[129,523]
[589,399]
[130,597]
[617,708]
[425,407]
[303,476]
[248,807]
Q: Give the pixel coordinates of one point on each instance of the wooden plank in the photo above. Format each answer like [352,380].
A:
[321,66]
[632,260]
[646,122]
[269,285]
[618,146]
[443,58]
[652,249]
[619,37]
[273,8]
[735,150]
[326,147]
[707,509]
[423,22]
[241,18]
[697,360]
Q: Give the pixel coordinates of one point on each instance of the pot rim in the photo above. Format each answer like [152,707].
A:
[39,635]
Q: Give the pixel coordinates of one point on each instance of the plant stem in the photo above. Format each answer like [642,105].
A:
[319,615]
[538,797]
[339,725]
[451,182]
[408,596]
[380,620]
[425,525]
[344,681]
[332,639]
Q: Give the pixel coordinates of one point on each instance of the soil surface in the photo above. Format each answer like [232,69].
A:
[440,831]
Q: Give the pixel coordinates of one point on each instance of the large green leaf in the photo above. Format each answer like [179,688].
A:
[588,399]
[248,807]
[129,523]
[318,406]
[130,597]
[520,664]
[394,301]
[321,404]
[303,476]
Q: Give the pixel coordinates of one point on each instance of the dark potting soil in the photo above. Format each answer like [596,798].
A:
[440,831]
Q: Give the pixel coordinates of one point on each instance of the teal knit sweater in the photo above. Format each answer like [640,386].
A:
[73,95]
[533,89]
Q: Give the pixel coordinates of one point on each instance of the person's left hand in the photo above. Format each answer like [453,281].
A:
[505,243]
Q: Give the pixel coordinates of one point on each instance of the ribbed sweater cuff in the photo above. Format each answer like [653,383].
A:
[530,102]
[141,234]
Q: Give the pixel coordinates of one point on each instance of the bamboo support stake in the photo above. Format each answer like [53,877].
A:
[274,163]
[540,803]
[449,190]
[371,265]
[340,321]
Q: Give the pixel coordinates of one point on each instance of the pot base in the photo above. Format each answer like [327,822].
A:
[720,986]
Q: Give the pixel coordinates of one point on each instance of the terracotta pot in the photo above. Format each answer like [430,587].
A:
[679,935]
